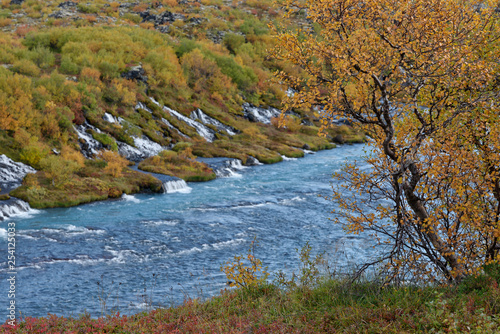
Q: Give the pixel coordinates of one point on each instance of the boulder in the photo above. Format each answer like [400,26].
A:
[67,4]
[339,139]
[251,161]
[306,147]
[161,19]
[163,29]
[136,73]
[61,14]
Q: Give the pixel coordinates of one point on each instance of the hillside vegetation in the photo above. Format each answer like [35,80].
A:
[67,64]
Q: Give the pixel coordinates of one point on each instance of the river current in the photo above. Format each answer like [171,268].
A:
[150,250]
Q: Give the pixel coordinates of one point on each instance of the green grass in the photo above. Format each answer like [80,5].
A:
[179,165]
[332,306]
[88,185]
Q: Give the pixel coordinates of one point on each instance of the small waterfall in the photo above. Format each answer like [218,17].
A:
[88,145]
[11,171]
[145,148]
[13,207]
[170,126]
[309,152]
[224,167]
[258,114]
[129,152]
[226,172]
[176,186]
[112,119]
[198,114]
[285,158]
[141,105]
[148,147]
[236,164]
[202,130]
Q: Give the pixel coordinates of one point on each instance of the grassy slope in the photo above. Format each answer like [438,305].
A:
[333,306]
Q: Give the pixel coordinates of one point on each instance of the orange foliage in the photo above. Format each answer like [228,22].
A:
[421,77]
[116,162]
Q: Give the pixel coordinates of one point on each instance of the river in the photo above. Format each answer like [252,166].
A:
[151,250]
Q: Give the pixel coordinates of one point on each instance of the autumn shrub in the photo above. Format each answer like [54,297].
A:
[180,146]
[253,133]
[90,9]
[245,271]
[26,67]
[180,165]
[233,42]
[68,66]
[430,189]
[253,26]
[34,153]
[132,18]
[5,22]
[185,46]
[292,123]
[42,57]
[115,162]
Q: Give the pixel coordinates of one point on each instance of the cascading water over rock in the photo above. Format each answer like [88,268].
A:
[112,119]
[174,186]
[201,129]
[258,114]
[88,145]
[198,114]
[170,126]
[11,176]
[224,167]
[13,207]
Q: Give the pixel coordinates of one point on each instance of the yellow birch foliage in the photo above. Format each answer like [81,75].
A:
[421,78]
[115,161]
[245,273]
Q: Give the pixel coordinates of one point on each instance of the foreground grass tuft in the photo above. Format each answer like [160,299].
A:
[332,306]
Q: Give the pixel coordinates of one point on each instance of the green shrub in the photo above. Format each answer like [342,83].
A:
[68,67]
[167,154]
[186,46]
[109,70]
[254,26]
[132,17]
[244,77]
[233,42]
[106,140]
[89,9]
[181,146]
[26,67]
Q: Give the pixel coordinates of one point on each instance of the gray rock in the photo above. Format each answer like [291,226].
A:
[67,4]
[16,2]
[161,19]
[196,20]
[306,147]
[251,161]
[216,37]
[163,29]
[307,122]
[61,14]
[339,139]
[128,4]
[136,73]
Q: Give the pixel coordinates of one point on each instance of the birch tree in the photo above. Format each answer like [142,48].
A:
[421,78]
